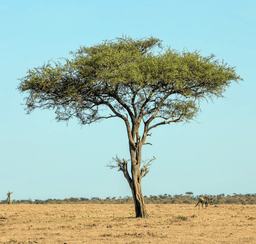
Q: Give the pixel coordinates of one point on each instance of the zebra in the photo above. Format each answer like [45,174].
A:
[204,201]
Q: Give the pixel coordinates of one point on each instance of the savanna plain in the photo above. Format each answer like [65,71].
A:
[115,223]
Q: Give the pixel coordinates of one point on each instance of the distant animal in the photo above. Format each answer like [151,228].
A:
[204,201]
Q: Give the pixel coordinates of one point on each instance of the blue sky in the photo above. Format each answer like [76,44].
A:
[41,159]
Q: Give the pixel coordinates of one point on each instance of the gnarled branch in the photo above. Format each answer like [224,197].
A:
[144,170]
[122,166]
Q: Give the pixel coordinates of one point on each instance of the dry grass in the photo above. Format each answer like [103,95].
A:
[82,223]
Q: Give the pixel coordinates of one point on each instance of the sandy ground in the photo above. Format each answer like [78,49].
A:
[82,223]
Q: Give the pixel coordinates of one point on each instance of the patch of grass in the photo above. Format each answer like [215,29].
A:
[182,217]
[12,241]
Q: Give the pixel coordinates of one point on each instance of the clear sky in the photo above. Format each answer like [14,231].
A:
[41,159]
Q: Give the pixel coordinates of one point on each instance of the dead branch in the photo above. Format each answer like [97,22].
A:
[143,172]
[145,169]
[122,166]
[147,143]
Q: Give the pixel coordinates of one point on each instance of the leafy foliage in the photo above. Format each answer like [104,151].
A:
[126,77]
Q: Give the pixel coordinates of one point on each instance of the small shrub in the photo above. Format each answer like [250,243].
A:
[182,217]
[12,241]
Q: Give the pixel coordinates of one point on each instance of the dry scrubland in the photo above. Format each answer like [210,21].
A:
[96,223]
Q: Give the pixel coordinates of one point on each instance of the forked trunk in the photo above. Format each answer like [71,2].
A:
[137,173]
[135,185]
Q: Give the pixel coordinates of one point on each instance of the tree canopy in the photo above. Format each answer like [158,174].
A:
[128,79]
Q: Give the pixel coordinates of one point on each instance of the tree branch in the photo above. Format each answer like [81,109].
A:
[144,170]
[122,166]
[106,117]
[120,101]
[133,101]
[126,123]
[146,124]
[147,144]
[157,110]
[165,122]
[146,101]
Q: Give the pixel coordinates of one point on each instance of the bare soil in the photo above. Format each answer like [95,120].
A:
[96,223]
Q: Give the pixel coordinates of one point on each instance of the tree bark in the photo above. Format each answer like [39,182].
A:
[140,208]
[135,185]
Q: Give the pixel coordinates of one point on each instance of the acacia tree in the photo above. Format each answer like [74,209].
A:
[125,79]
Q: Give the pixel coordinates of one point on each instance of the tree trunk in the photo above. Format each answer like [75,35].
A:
[140,208]
[9,201]
[136,172]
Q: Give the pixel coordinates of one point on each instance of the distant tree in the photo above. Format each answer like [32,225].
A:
[124,79]
[84,199]
[30,200]
[9,200]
